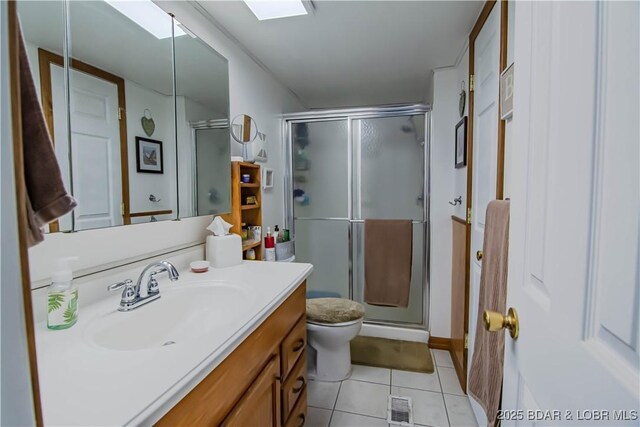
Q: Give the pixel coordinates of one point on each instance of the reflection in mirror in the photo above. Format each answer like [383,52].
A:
[43,29]
[121,115]
[202,110]
[243,128]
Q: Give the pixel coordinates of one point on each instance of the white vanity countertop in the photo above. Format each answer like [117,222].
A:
[82,383]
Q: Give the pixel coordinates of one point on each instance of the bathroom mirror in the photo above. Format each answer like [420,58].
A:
[243,128]
[118,135]
[122,137]
[43,25]
[202,107]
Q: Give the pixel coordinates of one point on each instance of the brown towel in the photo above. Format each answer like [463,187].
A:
[47,198]
[388,252]
[485,380]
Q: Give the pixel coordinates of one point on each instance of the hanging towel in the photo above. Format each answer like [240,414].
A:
[388,252]
[47,198]
[485,380]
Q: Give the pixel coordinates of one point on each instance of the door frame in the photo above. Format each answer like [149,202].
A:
[14,35]
[461,371]
[45,59]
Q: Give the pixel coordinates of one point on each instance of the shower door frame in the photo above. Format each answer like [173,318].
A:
[350,114]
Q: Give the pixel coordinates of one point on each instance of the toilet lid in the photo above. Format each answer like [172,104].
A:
[333,310]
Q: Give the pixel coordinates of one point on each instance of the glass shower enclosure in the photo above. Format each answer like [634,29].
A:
[345,166]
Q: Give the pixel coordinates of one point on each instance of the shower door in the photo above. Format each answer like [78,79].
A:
[389,183]
[348,169]
[320,172]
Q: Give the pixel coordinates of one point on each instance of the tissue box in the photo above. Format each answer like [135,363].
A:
[224,251]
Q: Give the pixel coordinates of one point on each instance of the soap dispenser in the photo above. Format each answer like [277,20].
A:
[62,300]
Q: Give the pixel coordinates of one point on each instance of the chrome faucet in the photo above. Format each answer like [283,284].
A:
[131,298]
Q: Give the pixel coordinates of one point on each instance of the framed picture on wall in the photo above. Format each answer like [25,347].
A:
[148,155]
[461,143]
[506,93]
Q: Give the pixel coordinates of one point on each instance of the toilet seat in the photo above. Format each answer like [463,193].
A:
[333,311]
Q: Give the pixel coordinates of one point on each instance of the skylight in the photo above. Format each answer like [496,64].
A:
[147,15]
[273,9]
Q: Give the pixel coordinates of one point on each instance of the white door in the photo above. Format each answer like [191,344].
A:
[485,149]
[574,259]
[95,144]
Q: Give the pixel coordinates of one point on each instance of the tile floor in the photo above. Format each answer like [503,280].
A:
[361,400]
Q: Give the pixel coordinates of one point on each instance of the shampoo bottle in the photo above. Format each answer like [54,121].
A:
[62,300]
[269,247]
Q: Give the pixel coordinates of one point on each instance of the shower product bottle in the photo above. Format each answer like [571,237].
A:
[277,234]
[269,246]
[62,299]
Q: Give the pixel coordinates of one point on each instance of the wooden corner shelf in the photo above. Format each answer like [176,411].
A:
[241,212]
[249,207]
[249,245]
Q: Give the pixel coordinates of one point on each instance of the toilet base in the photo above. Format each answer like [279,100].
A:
[335,368]
[329,353]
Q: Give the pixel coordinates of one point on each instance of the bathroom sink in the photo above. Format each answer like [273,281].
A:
[183,313]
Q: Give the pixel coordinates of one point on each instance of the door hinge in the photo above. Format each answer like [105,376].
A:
[122,209]
[468,215]
[472,85]
[120,113]
[466,340]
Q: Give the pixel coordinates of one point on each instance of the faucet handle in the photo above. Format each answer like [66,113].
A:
[152,284]
[129,292]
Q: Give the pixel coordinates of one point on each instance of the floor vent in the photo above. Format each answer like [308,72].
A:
[399,411]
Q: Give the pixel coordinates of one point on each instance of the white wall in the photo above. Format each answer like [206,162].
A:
[141,185]
[447,183]
[16,404]
[252,91]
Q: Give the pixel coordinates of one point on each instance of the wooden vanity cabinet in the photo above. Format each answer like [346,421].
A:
[262,383]
[259,405]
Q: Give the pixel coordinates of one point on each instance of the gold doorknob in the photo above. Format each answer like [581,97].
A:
[494,321]
[479,255]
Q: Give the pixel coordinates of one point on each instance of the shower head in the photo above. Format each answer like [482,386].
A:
[407,128]
[411,128]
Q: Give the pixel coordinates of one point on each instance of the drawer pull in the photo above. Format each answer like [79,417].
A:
[299,345]
[297,389]
[302,419]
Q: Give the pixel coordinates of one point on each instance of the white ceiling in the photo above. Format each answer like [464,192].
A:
[354,53]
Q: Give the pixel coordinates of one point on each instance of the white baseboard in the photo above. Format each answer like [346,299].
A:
[394,333]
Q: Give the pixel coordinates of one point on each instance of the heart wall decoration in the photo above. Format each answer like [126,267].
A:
[148,125]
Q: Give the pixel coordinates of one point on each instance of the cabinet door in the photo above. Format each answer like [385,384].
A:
[260,405]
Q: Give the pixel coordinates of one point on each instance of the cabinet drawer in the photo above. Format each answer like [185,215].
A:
[299,414]
[294,385]
[293,346]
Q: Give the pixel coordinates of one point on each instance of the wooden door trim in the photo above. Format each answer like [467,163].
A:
[21,203]
[439,343]
[504,35]
[45,58]
[482,18]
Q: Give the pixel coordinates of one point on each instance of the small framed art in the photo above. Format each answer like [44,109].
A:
[506,93]
[461,143]
[148,155]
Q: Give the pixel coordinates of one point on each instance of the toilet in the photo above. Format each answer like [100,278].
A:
[331,325]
